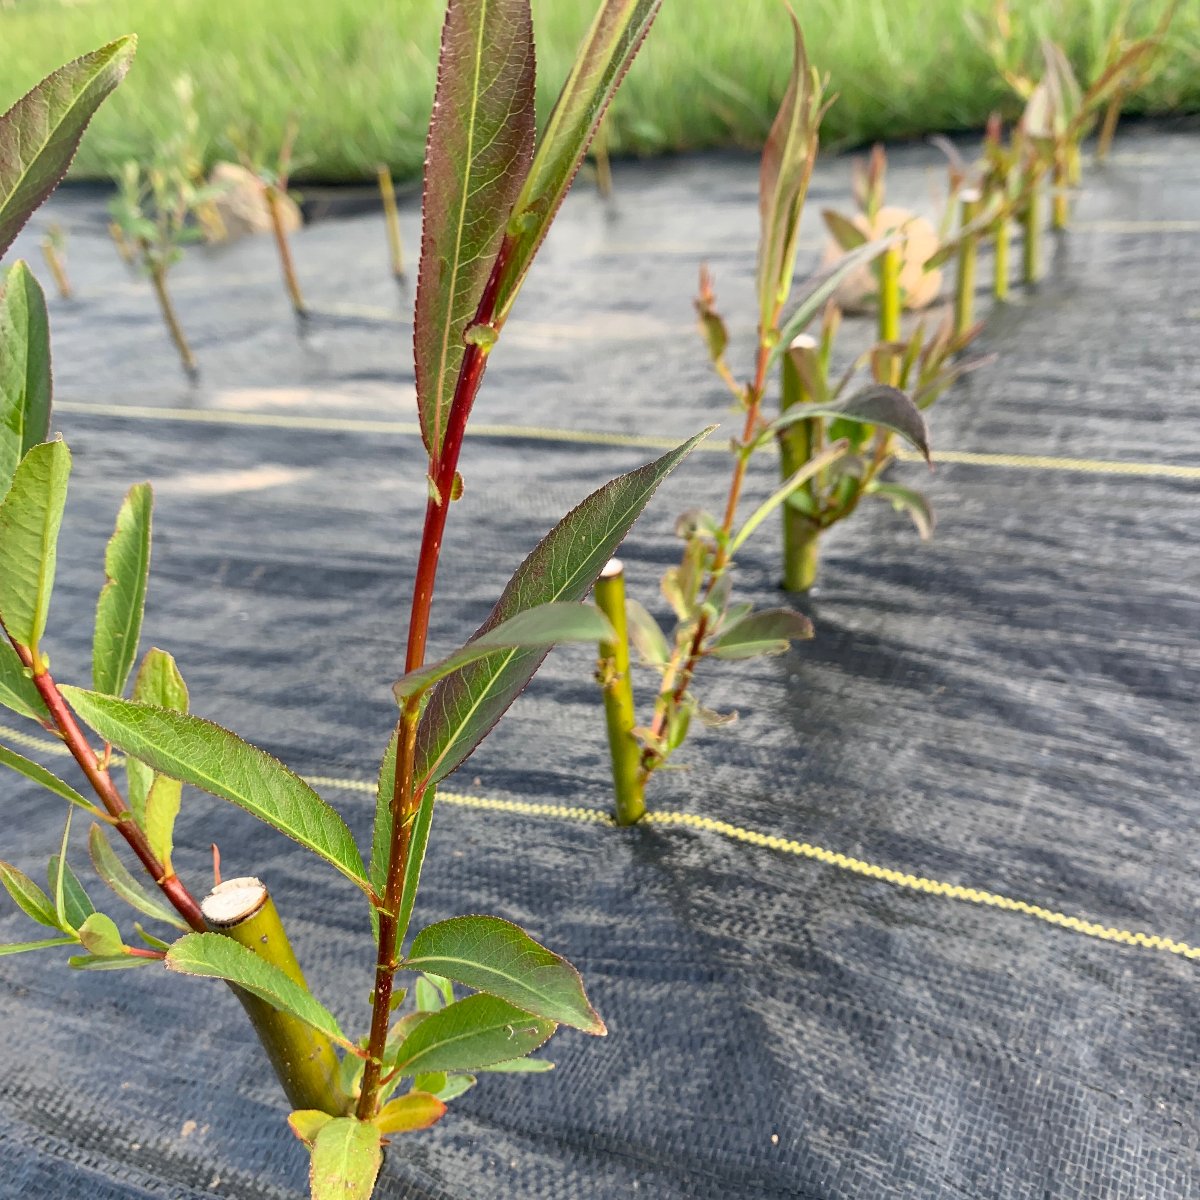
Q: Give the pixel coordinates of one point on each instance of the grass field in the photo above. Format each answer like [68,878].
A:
[359,73]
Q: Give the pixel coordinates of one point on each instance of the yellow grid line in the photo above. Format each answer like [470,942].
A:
[585,437]
[752,837]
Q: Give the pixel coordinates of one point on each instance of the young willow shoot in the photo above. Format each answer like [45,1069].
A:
[485,995]
[54,251]
[709,624]
[152,210]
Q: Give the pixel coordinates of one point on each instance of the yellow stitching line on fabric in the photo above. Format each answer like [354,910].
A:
[751,837]
[585,437]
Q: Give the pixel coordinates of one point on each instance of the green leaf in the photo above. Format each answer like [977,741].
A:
[158,682]
[27,896]
[101,937]
[123,597]
[408,1113]
[813,467]
[646,634]
[519,1066]
[346,1157]
[877,405]
[906,500]
[162,807]
[209,757]
[819,290]
[495,956]
[30,517]
[17,690]
[535,628]
[76,905]
[110,962]
[600,65]
[114,872]
[25,385]
[843,230]
[40,133]
[48,780]
[787,163]
[480,144]
[468,1035]
[455,1086]
[21,947]
[769,632]
[463,707]
[306,1123]
[218,957]
[428,996]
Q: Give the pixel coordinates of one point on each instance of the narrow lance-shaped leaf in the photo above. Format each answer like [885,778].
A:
[787,164]
[468,1035]
[47,779]
[30,518]
[218,957]
[123,598]
[381,841]
[495,956]
[25,385]
[907,500]
[480,144]
[464,706]
[45,944]
[114,872]
[210,757]
[346,1157]
[769,632]
[40,133]
[819,290]
[17,690]
[76,904]
[162,807]
[27,896]
[878,405]
[600,64]
[542,627]
[811,468]
[158,682]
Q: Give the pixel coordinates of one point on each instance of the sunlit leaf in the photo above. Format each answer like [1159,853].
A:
[646,634]
[346,1157]
[769,632]
[462,708]
[27,896]
[158,682]
[123,598]
[536,628]
[600,65]
[114,872]
[100,936]
[162,807]
[306,1123]
[408,1113]
[480,144]
[17,690]
[25,384]
[30,518]
[47,779]
[519,1066]
[209,757]
[40,133]
[216,956]
[495,956]
[468,1035]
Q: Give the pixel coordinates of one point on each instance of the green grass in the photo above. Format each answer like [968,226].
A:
[360,73]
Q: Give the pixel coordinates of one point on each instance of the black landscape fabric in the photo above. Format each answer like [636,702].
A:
[1010,708]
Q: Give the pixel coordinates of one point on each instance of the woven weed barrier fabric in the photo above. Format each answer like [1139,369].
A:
[882,940]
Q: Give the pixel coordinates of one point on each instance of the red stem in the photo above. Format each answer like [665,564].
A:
[169,883]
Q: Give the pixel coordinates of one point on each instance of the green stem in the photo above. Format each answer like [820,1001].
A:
[392,218]
[1108,129]
[968,254]
[1031,218]
[304,1060]
[797,445]
[889,294]
[1061,211]
[1000,269]
[616,681]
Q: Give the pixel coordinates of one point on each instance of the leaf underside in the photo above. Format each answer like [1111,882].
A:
[123,598]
